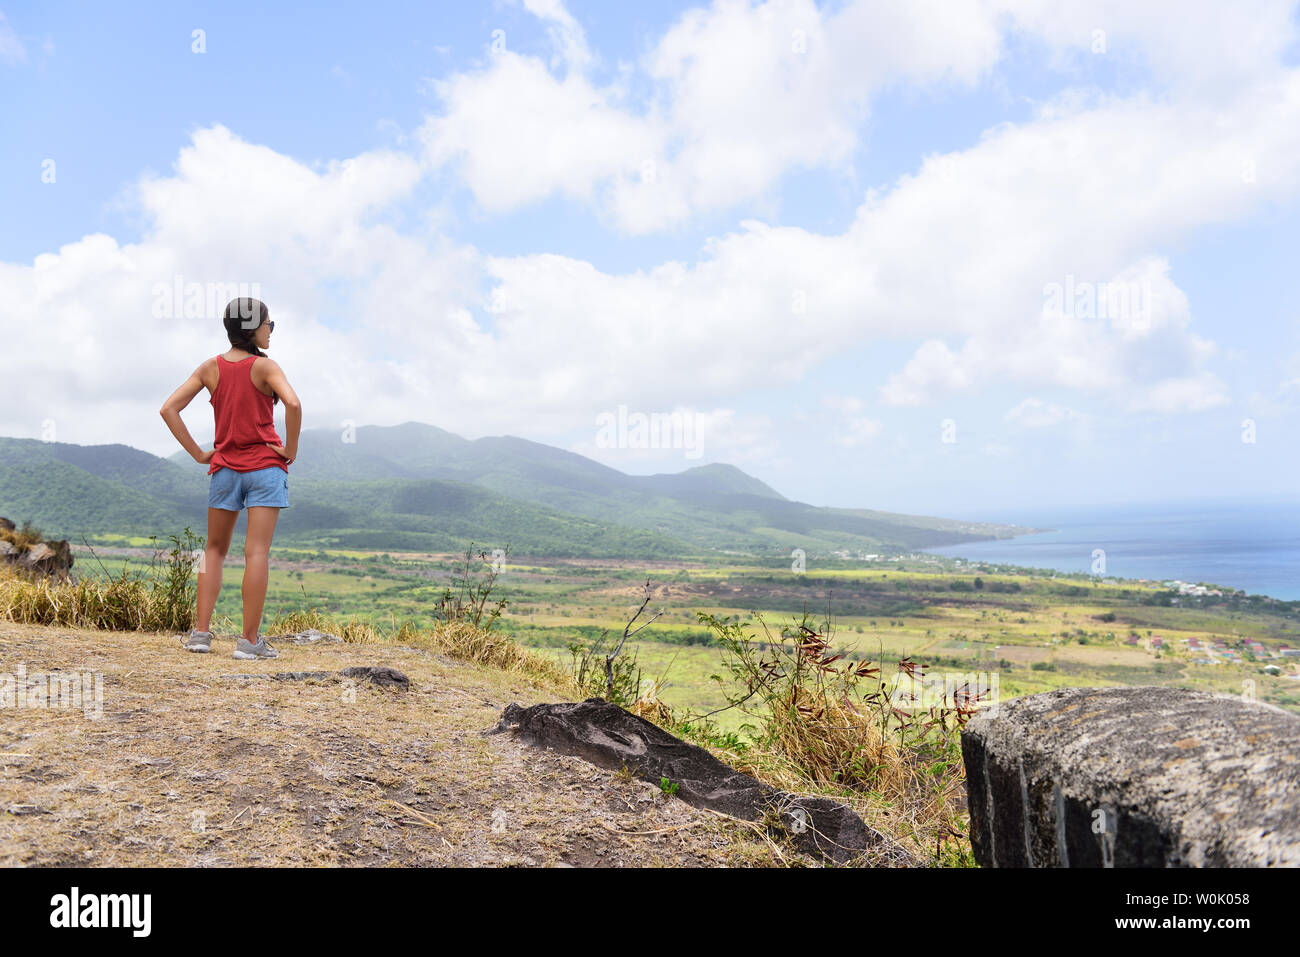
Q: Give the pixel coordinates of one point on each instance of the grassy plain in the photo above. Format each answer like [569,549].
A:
[1032,630]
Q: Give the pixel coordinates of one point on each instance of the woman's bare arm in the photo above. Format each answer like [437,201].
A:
[171,413]
[275,378]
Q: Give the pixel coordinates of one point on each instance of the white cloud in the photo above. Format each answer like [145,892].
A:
[858,430]
[934,366]
[1034,413]
[12,51]
[851,428]
[1194,393]
[1075,341]
[746,93]
[238,213]
[954,256]
[565,32]
[518,135]
[958,252]
[1183,44]
[743,95]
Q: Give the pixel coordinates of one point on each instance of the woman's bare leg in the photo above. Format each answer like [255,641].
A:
[221,526]
[257,549]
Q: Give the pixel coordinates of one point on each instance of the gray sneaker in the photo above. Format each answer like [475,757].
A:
[247,651]
[200,641]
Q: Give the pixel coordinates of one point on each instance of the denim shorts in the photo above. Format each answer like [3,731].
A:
[261,487]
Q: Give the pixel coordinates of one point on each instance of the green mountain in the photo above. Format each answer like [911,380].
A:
[116,489]
[415,486]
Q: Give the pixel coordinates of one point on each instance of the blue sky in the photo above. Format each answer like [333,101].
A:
[514,217]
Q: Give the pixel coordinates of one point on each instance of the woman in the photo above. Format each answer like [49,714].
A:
[249,466]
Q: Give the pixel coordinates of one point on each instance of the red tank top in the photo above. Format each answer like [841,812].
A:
[245,422]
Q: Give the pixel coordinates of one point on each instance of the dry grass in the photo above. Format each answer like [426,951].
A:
[463,641]
[187,767]
[162,598]
[22,538]
[144,603]
[908,802]
[120,604]
[826,729]
[460,640]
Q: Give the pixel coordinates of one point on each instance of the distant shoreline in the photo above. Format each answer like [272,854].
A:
[1248,548]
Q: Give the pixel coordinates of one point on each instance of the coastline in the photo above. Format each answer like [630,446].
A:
[1254,549]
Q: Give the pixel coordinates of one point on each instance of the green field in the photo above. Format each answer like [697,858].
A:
[1034,631]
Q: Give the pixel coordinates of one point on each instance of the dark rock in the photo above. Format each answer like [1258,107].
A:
[44,559]
[1133,777]
[610,737]
[378,675]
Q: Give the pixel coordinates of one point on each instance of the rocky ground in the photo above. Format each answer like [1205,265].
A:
[181,764]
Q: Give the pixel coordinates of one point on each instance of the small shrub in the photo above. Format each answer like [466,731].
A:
[467,597]
[824,719]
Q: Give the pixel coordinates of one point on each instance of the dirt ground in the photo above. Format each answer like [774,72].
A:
[178,764]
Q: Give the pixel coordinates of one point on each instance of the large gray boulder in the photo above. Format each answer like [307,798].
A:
[1133,777]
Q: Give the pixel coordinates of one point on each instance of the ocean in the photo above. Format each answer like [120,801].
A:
[1254,548]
